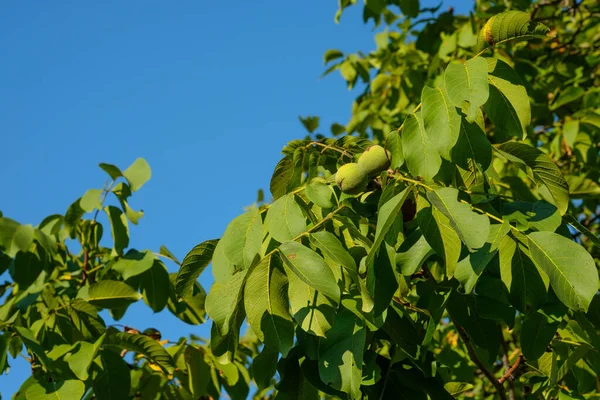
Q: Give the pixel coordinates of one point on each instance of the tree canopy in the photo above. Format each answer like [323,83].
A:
[442,243]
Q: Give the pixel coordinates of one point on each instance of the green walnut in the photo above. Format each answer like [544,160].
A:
[351,178]
[374,160]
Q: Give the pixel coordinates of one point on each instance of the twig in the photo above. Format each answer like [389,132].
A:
[506,363]
[473,356]
[512,369]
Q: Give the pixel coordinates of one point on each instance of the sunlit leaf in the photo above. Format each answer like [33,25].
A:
[557,256]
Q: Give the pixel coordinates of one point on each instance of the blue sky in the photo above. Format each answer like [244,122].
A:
[207,92]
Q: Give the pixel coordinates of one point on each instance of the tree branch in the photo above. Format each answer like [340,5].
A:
[507,369]
[512,369]
[473,356]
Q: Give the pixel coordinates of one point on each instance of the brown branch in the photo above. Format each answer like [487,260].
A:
[473,356]
[512,369]
[506,363]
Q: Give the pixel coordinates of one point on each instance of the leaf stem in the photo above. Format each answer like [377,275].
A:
[321,222]
[330,147]
[400,177]
[84,267]
[413,111]
[473,356]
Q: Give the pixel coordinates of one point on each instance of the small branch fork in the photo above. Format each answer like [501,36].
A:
[511,370]
[473,356]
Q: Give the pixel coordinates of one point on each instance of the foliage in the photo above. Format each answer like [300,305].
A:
[56,305]
[467,269]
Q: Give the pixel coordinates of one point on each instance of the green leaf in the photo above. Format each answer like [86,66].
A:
[311,268]
[436,229]
[472,146]
[113,171]
[26,268]
[243,238]
[114,381]
[72,217]
[320,193]
[410,8]
[222,268]
[167,253]
[81,356]
[571,269]
[3,351]
[412,253]
[509,25]
[310,123]
[119,228]
[284,177]
[7,231]
[85,319]
[420,154]
[123,192]
[570,94]
[189,307]
[22,238]
[137,174]
[313,312]
[440,119]
[471,267]
[393,144]
[581,187]
[540,216]
[59,390]
[194,263]
[536,334]
[332,249]
[571,220]
[379,83]
[381,282]
[198,371]
[285,220]
[386,217]
[543,169]
[293,385]
[155,286]
[134,263]
[224,346]
[112,294]
[91,200]
[341,354]
[264,367]
[223,302]
[142,344]
[472,228]
[526,284]
[508,105]
[477,328]
[331,55]
[467,85]
[266,304]
[32,344]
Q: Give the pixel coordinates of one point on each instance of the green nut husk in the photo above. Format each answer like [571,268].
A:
[374,160]
[351,178]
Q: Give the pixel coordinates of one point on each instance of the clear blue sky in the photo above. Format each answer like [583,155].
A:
[207,92]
